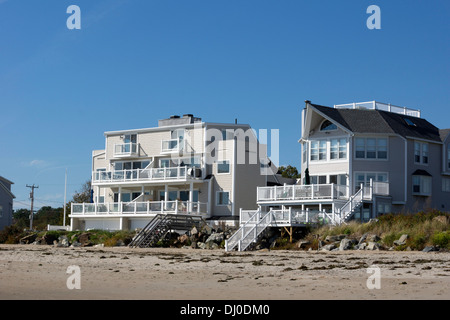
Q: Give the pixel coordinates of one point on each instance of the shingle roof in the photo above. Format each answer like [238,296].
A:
[444,134]
[378,121]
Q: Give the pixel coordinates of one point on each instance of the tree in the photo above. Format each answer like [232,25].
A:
[83,196]
[289,172]
[21,218]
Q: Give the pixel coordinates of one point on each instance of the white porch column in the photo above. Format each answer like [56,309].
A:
[166,195]
[191,196]
[119,199]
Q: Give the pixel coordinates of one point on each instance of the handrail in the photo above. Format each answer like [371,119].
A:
[166,173]
[148,207]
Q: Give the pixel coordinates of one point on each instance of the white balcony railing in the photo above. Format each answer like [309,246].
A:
[302,192]
[139,208]
[151,174]
[379,106]
[172,145]
[126,149]
[317,192]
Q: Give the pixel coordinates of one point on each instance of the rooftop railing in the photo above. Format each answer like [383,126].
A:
[374,105]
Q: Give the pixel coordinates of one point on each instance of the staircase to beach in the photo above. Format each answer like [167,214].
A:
[160,225]
[249,232]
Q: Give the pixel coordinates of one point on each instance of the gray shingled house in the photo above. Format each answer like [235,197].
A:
[6,202]
[361,160]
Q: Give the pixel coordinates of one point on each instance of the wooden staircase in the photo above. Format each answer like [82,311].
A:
[160,225]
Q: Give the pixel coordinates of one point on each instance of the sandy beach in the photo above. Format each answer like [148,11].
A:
[40,273]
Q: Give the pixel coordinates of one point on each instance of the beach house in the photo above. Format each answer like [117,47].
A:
[359,161]
[183,166]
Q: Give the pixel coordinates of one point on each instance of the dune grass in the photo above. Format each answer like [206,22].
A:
[423,229]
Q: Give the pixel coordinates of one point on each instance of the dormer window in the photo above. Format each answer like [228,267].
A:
[327,125]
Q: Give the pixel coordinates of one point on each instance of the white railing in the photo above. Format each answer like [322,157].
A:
[126,149]
[174,173]
[172,145]
[380,106]
[149,207]
[284,216]
[302,192]
[355,201]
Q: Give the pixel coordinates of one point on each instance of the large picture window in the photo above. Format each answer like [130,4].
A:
[421,185]
[371,148]
[338,149]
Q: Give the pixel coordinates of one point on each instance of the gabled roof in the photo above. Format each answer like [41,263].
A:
[444,133]
[3,186]
[378,121]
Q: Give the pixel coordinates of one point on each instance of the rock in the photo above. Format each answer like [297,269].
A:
[201,245]
[441,219]
[215,237]
[328,247]
[207,229]
[194,231]
[183,238]
[302,244]
[361,246]
[334,238]
[373,246]
[363,238]
[63,241]
[85,239]
[373,238]
[346,244]
[75,244]
[211,245]
[194,245]
[430,249]
[28,239]
[401,241]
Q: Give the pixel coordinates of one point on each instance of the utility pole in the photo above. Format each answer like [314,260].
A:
[65,199]
[32,202]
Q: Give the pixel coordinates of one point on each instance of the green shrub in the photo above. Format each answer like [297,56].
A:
[441,239]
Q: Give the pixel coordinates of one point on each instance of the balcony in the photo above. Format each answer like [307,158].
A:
[131,209]
[302,192]
[129,149]
[173,146]
[316,192]
[147,175]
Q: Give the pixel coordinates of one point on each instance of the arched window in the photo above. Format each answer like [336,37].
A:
[327,125]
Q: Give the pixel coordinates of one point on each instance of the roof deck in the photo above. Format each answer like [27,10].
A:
[375,105]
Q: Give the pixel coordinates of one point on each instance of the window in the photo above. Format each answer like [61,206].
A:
[420,152]
[319,150]
[409,122]
[338,149]
[305,151]
[365,177]
[371,148]
[223,166]
[421,185]
[227,134]
[327,126]
[222,198]
[448,157]
[446,184]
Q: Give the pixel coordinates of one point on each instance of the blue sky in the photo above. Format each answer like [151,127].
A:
[136,61]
